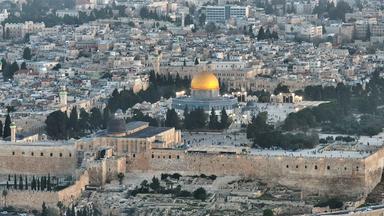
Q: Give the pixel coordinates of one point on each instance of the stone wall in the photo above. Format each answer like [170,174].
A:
[351,177]
[37,160]
[34,199]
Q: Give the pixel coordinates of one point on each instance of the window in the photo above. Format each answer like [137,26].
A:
[51,154]
[134,155]
[328,167]
[287,166]
[297,166]
[305,166]
[345,168]
[61,154]
[316,167]
[153,156]
[178,157]
[13,153]
[41,154]
[70,154]
[169,157]
[22,153]
[32,153]
[357,168]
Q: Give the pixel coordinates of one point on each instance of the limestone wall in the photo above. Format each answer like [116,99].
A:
[37,160]
[34,199]
[314,175]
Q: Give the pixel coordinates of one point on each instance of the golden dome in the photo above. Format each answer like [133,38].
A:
[205,81]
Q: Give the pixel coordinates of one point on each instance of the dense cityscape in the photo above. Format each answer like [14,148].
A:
[191,107]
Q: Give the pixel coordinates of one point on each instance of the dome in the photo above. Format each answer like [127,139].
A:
[116,124]
[205,81]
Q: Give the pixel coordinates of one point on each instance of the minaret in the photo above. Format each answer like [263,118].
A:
[13,132]
[63,96]
[182,19]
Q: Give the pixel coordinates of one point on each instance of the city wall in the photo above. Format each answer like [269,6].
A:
[34,199]
[37,160]
[352,177]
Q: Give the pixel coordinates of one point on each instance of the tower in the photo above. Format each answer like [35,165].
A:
[63,96]
[182,20]
[13,132]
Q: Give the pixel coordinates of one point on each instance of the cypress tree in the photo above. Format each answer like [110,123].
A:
[21,184]
[1,128]
[14,182]
[224,120]
[7,126]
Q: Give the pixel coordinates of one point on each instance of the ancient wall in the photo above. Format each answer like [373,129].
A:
[37,160]
[314,175]
[34,199]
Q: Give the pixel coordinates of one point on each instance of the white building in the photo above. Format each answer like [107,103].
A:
[223,13]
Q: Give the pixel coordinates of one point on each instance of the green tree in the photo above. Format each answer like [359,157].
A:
[155,184]
[44,210]
[5,194]
[1,128]
[172,119]
[56,125]
[96,119]
[225,122]
[73,123]
[84,125]
[261,34]
[213,120]
[268,212]
[23,66]
[7,126]
[27,54]
[200,194]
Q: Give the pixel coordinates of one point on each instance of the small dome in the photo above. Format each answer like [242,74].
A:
[117,124]
[251,104]
[205,81]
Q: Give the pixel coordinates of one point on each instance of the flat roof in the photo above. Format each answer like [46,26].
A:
[135,124]
[148,132]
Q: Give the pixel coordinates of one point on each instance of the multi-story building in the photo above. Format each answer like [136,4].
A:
[223,13]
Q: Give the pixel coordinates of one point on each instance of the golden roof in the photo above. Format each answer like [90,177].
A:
[205,81]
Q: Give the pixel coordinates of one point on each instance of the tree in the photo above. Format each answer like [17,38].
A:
[83,121]
[60,205]
[197,61]
[213,120]
[120,176]
[96,119]
[21,183]
[200,194]
[261,34]
[27,54]
[155,184]
[211,28]
[7,126]
[224,119]
[1,128]
[73,123]
[106,117]
[5,194]
[23,66]
[172,119]
[56,125]
[268,212]
[281,89]
[44,210]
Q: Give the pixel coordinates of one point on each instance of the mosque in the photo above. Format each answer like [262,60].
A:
[205,94]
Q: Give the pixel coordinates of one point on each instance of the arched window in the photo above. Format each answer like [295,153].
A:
[287,166]
[328,167]
[316,167]
[61,154]
[41,154]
